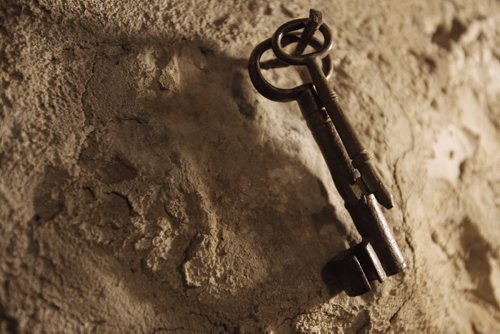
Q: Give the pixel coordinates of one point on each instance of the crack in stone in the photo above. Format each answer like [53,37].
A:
[394,315]
[407,237]
[166,329]
[84,96]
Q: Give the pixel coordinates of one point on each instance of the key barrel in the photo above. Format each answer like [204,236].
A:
[373,227]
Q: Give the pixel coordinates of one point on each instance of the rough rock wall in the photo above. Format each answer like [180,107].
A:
[146,187]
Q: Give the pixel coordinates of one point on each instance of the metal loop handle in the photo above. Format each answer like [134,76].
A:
[286,29]
[270,91]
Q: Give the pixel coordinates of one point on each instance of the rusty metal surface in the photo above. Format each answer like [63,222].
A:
[355,177]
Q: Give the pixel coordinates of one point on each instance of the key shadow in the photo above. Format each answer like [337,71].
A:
[192,196]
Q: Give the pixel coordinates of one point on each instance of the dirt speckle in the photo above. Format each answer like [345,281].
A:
[445,36]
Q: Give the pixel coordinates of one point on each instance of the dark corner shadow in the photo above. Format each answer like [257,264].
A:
[330,280]
[165,123]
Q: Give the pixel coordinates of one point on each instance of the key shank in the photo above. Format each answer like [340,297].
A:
[360,157]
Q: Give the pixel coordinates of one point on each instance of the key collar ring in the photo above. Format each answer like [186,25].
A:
[267,89]
[285,29]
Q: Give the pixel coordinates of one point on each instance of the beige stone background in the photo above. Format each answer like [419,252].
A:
[145,186]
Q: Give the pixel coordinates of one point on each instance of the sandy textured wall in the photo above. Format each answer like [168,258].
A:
[146,187]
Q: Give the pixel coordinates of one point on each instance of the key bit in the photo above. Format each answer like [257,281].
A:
[355,177]
[312,25]
[357,267]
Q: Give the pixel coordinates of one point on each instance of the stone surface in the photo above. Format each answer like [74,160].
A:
[145,186]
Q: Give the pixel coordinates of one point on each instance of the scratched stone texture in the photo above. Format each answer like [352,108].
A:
[146,187]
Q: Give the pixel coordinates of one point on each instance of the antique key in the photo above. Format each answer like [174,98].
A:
[358,182]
